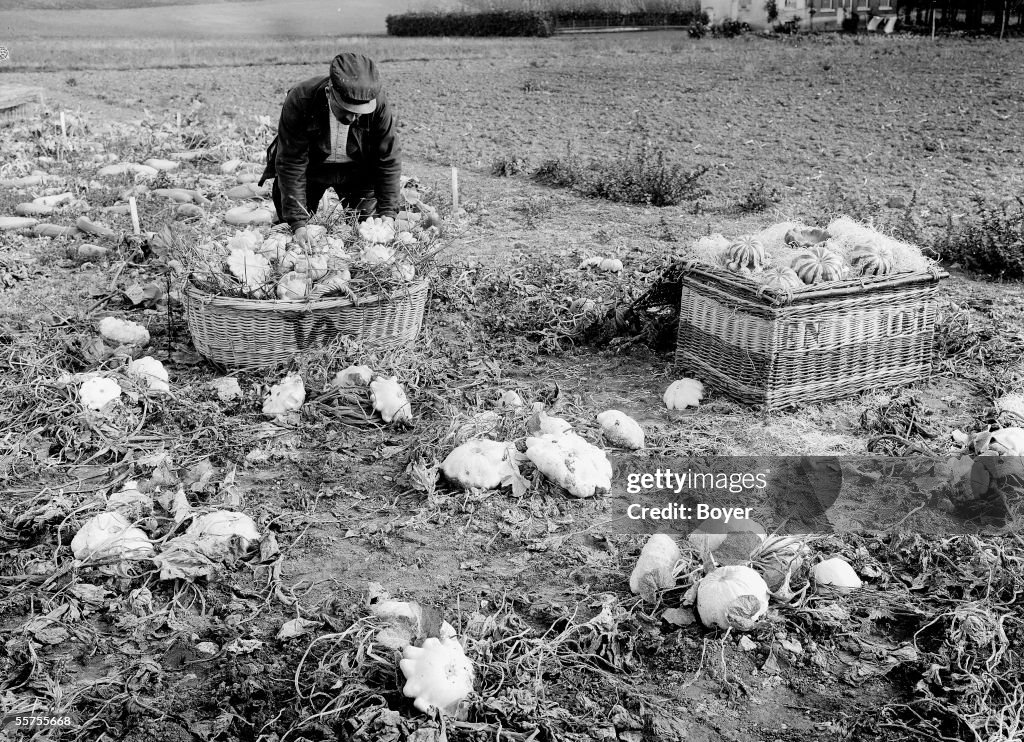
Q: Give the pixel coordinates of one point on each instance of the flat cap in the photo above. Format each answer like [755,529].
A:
[355,82]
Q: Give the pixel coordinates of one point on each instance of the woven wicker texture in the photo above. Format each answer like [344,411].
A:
[779,349]
[18,113]
[19,102]
[250,334]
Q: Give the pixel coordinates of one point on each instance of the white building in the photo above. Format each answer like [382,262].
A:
[826,13]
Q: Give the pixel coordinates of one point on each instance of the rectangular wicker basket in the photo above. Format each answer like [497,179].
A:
[19,102]
[250,333]
[781,349]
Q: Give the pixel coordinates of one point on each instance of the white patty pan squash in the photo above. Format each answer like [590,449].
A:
[110,535]
[377,230]
[438,675]
[123,332]
[246,239]
[732,597]
[479,464]
[376,254]
[151,372]
[251,268]
[654,569]
[285,397]
[99,391]
[621,430]
[572,463]
[389,399]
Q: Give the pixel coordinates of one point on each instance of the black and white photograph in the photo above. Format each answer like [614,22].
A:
[512,370]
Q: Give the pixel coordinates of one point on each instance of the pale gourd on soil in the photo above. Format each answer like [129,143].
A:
[621,430]
[353,376]
[59,199]
[12,223]
[217,532]
[86,251]
[438,675]
[97,392]
[246,190]
[389,399]
[227,388]
[511,399]
[1005,442]
[33,209]
[25,181]
[732,597]
[162,165]
[541,423]
[1012,403]
[835,575]
[188,211]
[655,567]
[608,265]
[285,397]
[55,231]
[683,393]
[151,372]
[110,535]
[249,215]
[581,469]
[126,168]
[711,535]
[123,332]
[480,464]
[131,503]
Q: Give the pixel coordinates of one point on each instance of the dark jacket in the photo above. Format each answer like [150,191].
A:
[303,143]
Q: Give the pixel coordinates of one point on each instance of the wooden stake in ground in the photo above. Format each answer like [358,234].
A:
[63,136]
[135,215]
[455,189]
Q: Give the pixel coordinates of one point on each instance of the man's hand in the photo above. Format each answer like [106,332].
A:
[300,238]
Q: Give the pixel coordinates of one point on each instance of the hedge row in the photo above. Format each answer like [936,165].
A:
[599,18]
[525,23]
[496,23]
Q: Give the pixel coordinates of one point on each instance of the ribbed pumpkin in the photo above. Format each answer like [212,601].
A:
[746,252]
[871,260]
[818,264]
[781,278]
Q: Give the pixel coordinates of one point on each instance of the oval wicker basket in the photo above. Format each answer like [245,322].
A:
[251,333]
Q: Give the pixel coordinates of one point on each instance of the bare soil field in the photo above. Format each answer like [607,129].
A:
[899,131]
[233,18]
